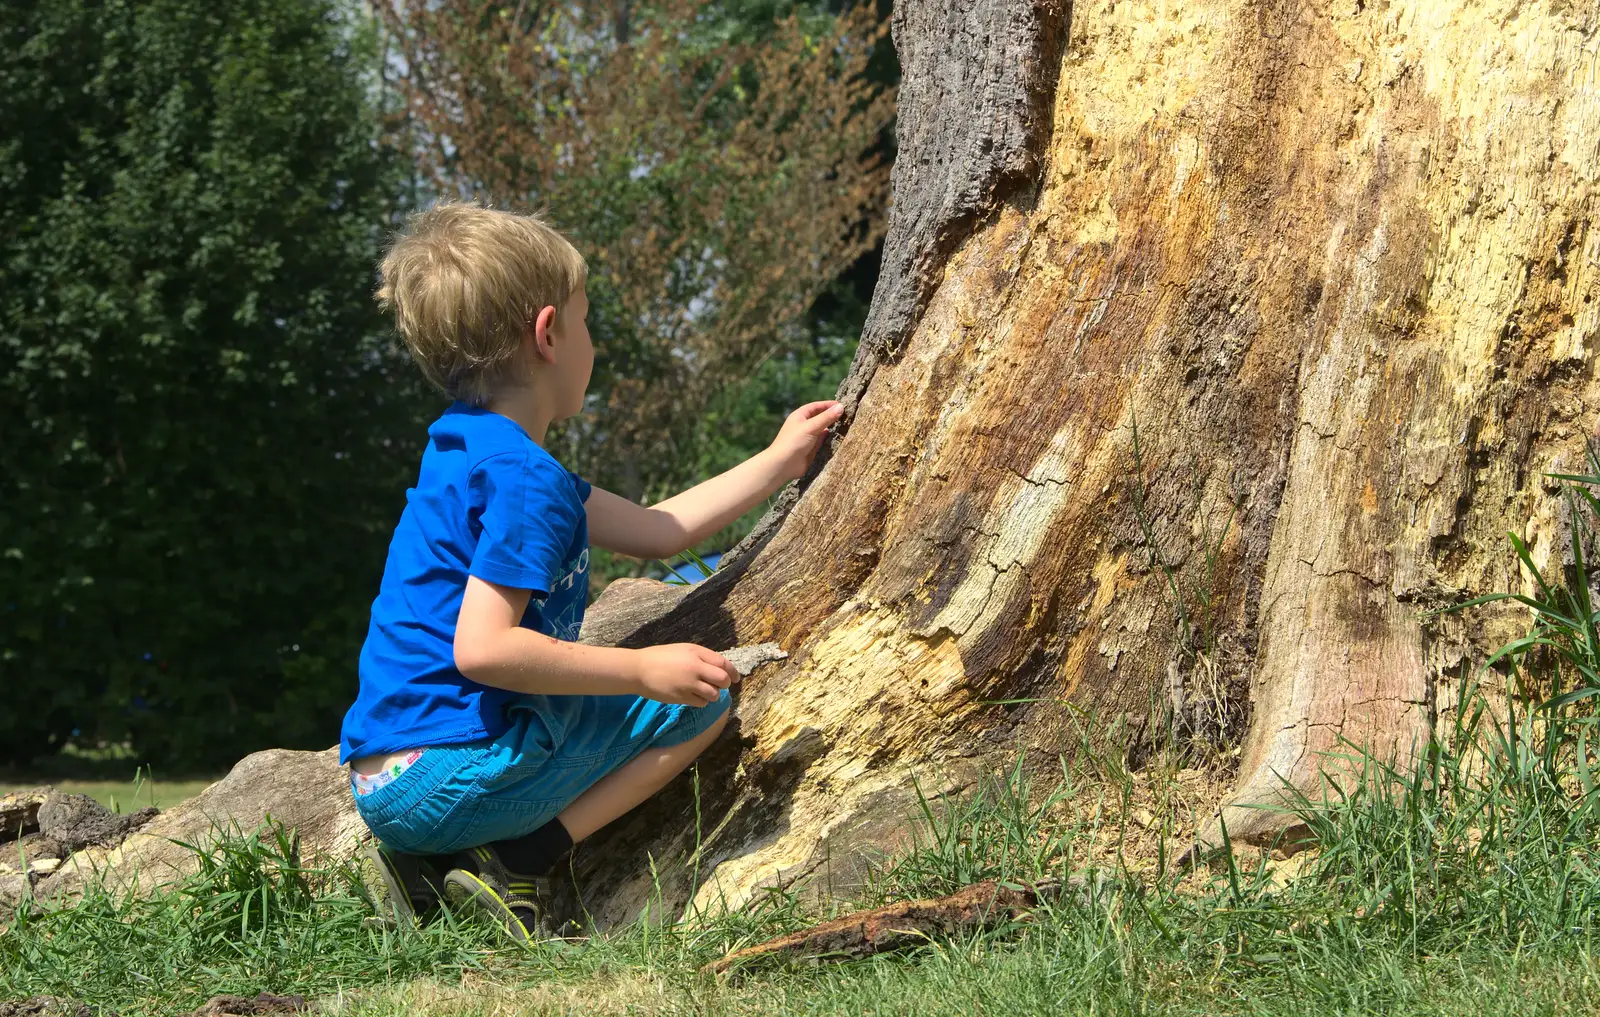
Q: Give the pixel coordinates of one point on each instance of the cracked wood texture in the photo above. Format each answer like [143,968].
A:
[1338,260]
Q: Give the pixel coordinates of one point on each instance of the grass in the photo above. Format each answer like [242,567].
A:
[1466,886]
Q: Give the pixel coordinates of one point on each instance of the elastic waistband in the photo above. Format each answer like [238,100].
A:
[436,766]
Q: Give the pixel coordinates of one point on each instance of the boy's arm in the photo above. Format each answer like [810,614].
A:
[684,520]
[492,648]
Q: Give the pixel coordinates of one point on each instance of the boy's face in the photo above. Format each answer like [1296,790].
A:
[574,355]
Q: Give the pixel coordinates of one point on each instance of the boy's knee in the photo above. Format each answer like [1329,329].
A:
[703,738]
[713,730]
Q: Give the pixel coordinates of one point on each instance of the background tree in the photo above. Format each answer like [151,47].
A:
[205,437]
[717,184]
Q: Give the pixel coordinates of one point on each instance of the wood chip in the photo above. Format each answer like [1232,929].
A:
[981,905]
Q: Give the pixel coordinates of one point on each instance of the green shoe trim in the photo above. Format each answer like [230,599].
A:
[466,891]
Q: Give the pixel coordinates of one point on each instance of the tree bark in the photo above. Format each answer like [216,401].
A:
[1335,259]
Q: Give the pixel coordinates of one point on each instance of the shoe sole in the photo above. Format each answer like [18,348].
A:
[398,900]
[465,891]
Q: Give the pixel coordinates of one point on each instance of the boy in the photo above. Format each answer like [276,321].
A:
[483,737]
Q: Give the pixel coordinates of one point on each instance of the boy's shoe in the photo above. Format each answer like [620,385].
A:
[519,907]
[402,885]
[520,903]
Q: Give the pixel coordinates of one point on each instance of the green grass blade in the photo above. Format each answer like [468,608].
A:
[1567,698]
[699,563]
[1527,561]
[678,578]
[1580,585]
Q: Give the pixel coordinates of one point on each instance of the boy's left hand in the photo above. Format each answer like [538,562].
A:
[802,435]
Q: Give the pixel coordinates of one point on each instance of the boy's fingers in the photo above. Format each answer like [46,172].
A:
[713,658]
[827,418]
[819,407]
[728,674]
[716,676]
[708,694]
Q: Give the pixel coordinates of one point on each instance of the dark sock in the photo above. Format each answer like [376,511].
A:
[536,853]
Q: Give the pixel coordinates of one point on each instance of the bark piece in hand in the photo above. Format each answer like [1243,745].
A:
[745,659]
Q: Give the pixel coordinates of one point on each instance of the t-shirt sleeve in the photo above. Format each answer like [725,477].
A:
[531,513]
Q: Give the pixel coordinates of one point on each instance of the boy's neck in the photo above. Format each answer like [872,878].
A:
[524,406]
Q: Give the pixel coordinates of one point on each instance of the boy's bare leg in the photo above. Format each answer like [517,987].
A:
[632,783]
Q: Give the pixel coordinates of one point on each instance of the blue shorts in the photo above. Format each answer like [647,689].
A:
[459,796]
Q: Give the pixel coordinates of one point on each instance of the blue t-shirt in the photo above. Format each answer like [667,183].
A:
[491,503]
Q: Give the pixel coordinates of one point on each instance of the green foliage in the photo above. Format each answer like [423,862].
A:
[744,417]
[1490,839]
[746,20]
[208,432]
[205,441]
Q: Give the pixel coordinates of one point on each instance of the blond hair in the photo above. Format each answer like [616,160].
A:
[465,283]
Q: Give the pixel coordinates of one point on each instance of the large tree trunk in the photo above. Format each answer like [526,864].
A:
[1335,259]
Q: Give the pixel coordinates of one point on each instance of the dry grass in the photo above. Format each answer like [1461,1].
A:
[476,995]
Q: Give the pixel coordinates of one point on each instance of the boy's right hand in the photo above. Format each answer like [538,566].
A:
[684,673]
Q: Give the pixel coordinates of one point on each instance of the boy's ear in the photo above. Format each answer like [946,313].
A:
[542,344]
